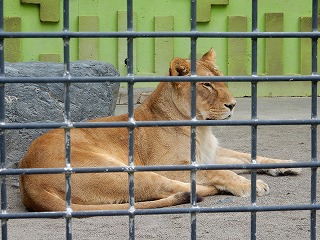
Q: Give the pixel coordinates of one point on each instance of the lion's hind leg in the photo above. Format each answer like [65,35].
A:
[54,202]
[109,191]
[153,186]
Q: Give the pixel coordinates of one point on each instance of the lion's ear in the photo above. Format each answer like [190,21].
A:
[210,56]
[179,67]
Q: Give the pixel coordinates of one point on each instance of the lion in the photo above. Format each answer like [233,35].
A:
[108,147]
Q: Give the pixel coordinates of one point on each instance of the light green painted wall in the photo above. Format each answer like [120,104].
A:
[152,56]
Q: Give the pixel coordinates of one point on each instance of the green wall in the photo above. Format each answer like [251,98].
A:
[152,56]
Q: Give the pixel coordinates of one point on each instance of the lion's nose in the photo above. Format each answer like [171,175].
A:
[230,106]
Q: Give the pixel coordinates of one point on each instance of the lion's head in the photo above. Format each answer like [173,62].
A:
[214,101]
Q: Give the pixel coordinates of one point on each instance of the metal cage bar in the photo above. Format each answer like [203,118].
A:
[315,164]
[188,210]
[159,123]
[254,85]
[142,34]
[130,119]
[135,79]
[67,119]
[4,226]
[314,115]
[193,140]
[131,124]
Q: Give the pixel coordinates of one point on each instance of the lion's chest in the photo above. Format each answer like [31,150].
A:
[207,145]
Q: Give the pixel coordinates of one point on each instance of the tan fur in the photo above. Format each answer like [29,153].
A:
[153,146]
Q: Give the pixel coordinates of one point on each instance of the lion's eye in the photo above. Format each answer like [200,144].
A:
[208,85]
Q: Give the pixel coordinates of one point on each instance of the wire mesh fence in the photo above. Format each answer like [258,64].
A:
[67,79]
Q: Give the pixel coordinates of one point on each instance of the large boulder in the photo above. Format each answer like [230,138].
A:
[44,102]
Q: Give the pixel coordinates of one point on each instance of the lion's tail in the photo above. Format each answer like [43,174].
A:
[56,203]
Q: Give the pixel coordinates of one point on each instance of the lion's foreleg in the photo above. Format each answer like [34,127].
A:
[227,156]
[229,181]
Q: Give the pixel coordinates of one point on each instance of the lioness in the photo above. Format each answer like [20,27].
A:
[153,146]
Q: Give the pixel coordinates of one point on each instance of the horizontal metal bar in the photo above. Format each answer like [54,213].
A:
[214,209]
[134,79]
[130,124]
[156,168]
[251,208]
[131,34]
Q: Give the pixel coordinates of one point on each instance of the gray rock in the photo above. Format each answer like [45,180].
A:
[44,102]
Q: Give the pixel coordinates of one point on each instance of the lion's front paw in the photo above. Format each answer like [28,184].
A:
[245,189]
[284,171]
[262,188]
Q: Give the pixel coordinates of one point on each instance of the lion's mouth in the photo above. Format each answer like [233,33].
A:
[226,118]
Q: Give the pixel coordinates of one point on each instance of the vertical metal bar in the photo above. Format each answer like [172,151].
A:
[67,118]
[131,119]
[193,174]
[314,115]
[254,72]
[4,226]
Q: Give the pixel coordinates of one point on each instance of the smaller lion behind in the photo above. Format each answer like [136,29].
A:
[107,147]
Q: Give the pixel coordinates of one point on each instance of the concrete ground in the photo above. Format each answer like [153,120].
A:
[284,142]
